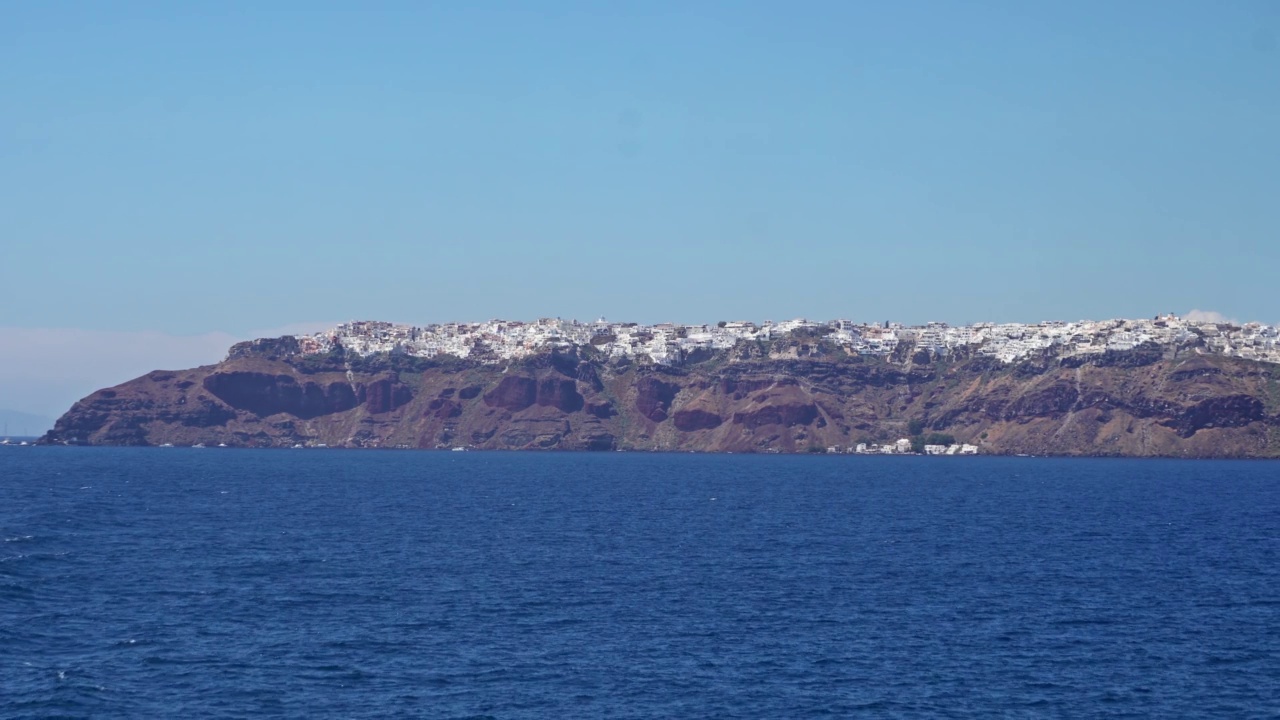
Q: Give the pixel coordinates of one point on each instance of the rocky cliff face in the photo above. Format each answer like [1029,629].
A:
[793,398]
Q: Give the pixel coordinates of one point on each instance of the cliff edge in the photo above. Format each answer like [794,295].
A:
[794,394]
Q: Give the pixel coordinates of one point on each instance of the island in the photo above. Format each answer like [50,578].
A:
[1164,386]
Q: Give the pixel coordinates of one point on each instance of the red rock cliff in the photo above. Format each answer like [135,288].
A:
[1137,404]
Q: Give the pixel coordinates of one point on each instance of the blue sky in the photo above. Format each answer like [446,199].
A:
[204,168]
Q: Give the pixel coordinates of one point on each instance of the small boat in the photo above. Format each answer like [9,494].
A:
[166,444]
[222,444]
[459,449]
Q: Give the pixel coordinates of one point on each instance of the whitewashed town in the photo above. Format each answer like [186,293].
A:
[670,343]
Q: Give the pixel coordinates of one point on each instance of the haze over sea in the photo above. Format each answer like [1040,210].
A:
[227,583]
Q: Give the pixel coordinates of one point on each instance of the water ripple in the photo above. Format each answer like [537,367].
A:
[157,584]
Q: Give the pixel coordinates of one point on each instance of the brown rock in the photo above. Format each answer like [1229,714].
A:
[385,394]
[786,415]
[559,393]
[514,393]
[653,397]
[1120,404]
[691,420]
[264,394]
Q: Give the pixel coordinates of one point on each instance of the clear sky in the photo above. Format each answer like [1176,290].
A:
[213,168]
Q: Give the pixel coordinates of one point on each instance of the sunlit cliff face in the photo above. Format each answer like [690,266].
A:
[799,392]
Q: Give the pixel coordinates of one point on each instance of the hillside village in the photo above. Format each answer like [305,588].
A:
[670,344]
[1167,386]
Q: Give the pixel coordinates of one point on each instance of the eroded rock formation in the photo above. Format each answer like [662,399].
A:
[791,399]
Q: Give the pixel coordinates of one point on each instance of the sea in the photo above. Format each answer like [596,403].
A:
[223,583]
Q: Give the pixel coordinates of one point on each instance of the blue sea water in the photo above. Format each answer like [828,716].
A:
[161,583]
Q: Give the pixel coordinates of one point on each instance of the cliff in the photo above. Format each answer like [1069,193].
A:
[792,395]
